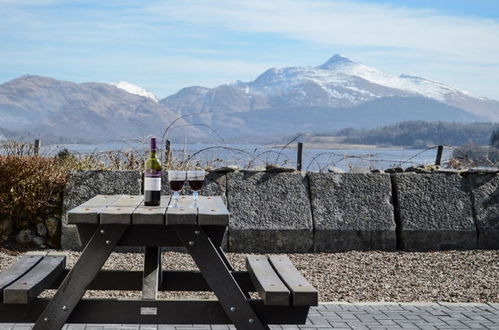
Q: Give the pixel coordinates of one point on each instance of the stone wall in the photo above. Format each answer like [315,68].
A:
[327,212]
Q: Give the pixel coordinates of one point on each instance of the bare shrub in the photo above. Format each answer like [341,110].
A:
[30,186]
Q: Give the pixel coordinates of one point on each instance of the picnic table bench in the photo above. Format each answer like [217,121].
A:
[107,221]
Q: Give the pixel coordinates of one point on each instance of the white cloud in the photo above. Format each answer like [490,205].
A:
[460,51]
[350,24]
[209,43]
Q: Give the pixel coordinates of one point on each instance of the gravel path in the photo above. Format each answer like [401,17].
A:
[450,276]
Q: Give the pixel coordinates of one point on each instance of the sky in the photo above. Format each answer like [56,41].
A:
[164,46]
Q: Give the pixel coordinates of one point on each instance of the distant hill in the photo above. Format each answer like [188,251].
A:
[338,83]
[281,101]
[89,110]
[420,134]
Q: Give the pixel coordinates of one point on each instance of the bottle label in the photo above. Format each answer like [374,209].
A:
[152,180]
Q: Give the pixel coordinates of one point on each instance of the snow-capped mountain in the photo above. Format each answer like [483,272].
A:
[95,111]
[281,101]
[134,89]
[339,82]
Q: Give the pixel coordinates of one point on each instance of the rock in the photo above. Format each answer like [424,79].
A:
[225,169]
[417,169]
[394,170]
[83,185]
[483,170]
[485,197]
[41,229]
[352,211]
[52,224]
[356,169]
[434,212]
[272,168]
[449,170]
[270,212]
[39,241]
[5,228]
[24,236]
[333,169]
[253,170]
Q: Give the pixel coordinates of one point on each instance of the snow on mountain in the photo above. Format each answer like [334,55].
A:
[337,83]
[341,72]
[134,89]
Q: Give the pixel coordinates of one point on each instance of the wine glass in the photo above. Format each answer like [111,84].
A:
[195,179]
[176,180]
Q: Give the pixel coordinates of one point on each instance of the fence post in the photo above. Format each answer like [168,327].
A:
[168,152]
[439,155]
[299,156]
[37,147]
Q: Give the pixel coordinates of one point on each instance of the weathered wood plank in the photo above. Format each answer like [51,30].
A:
[212,211]
[37,279]
[151,215]
[100,200]
[120,211]
[302,292]
[267,282]
[17,270]
[183,214]
[85,214]
[152,273]
[128,200]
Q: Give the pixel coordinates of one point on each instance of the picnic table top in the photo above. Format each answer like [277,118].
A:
[130,209]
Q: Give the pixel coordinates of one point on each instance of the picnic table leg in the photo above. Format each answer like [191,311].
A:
[80,276]
[218,277]
[152,273]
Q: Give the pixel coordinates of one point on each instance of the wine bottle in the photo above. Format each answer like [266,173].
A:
[152,178]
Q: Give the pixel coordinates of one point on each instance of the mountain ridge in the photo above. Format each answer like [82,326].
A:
[284,100]
[338,82]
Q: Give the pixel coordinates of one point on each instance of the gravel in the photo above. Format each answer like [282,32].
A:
[449,276]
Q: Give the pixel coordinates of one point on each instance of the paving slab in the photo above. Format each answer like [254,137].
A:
[351,316]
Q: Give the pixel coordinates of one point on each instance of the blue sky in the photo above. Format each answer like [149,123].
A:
[166,45]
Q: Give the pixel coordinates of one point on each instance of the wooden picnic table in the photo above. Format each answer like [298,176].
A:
[108,221]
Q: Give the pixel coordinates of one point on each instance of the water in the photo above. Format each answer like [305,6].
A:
[253,155]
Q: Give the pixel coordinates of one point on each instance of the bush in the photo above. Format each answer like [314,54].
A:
[30,186]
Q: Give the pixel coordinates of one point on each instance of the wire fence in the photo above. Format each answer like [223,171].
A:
[130,155]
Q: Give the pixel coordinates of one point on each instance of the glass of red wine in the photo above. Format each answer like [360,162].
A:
[195,179]
[176,180]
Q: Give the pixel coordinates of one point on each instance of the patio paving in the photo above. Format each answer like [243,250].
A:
[352,316]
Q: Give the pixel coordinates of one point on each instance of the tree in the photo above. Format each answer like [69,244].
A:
[494,140]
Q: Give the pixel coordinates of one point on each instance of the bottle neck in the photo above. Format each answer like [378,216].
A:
[152,154]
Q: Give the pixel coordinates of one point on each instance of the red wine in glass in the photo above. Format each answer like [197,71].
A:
[196,185]
[176,185]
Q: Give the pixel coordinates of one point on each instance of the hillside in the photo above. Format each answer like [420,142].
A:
[88,110]
[279,102]
[415,134]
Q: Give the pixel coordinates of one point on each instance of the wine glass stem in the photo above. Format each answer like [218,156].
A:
[175,198]
[195,196]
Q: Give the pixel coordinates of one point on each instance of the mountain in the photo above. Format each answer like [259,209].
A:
[338,83]
[337,94]
[89,110]
[134,89]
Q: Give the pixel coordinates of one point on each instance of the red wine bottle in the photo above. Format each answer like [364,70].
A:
[152,178]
